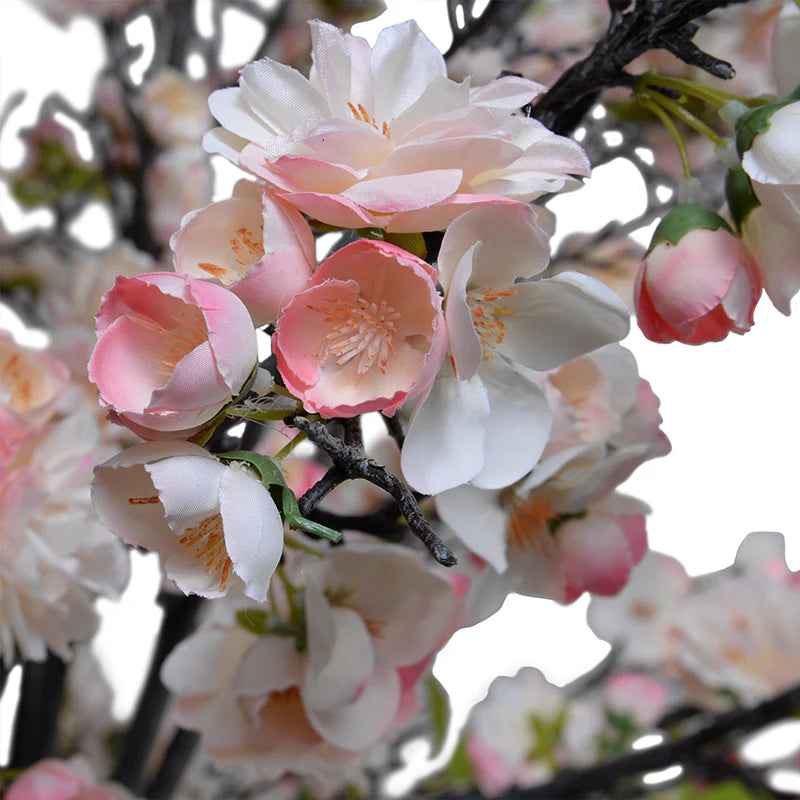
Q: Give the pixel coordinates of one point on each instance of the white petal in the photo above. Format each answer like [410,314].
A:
[476,518]
[445,440]
[360,724]
[465,345]
[224,143]
[253,529]
[560,318]
[280,96]
[232,112]
[517,429]
[404,63]
[340,653]
[272,664]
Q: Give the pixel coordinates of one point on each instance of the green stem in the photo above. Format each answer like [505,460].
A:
[296,544]
[683,114]
[249,413]
[716,97]
[284,451]
[670,126]
[290,593]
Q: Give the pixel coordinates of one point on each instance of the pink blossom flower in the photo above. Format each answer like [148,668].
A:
[639,620]
[179,180]
[636,695]
[380,136]
[698,285]
[365,335]
[53,779]
[55,556]
[373,616]
[738,635]
[173,108]
[254,244]
[32,385]
[214,525]
[171,352]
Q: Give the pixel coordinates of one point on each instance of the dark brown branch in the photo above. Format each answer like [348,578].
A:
[355,463]
[648,25]
[687,751]
[489,28]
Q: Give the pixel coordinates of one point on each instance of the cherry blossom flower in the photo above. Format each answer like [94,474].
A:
[380,137]
[365,335]
[32,385]
[738,635]
[54,779]
[55,556]
[179,180]
[214,525]
[373,617]
[173,108]
[171,352]
[524,730]
[636,695]
[698,281]
[639,620]
[254,244]
[483,421]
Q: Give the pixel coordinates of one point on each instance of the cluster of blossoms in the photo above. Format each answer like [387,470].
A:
[515,417]
[706,643]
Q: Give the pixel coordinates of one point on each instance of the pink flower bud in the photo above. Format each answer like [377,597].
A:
[171,353]
[697,283]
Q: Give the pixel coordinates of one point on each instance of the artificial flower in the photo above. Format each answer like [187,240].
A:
[698,281]
[365,335]
[496,324]
[253,243]
[214,525]
[380,137]
[171,352]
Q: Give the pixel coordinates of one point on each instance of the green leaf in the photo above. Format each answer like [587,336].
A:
[741,197]
[441,712]
[271,475]
[547,734]
[684,218]
[413,243]
[750,124]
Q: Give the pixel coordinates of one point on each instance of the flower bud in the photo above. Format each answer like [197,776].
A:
[698,281]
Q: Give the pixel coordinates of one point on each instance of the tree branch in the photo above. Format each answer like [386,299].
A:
[354,463]
[650,24]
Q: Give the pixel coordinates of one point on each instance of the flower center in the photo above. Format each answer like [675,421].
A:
[359,329]
[527,525]
[360,113]
[491,330]
[247,250]
[208,540]
[189,332]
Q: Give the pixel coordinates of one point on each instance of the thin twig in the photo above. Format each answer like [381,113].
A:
[355,463]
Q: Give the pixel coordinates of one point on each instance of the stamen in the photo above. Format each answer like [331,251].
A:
[362,329]
[491,330]
[208,539]
[140,501]
[362,115]
[189,331]
[527,525]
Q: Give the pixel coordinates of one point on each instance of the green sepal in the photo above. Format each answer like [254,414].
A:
[684,218]
[749,125]
[440,711]
[202,436]
[413,243]
[253,621]
[726,790]
[271,475]
[740,195]
[371,233]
